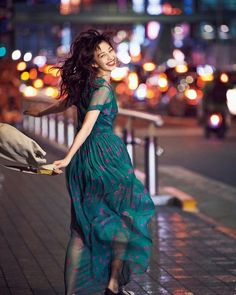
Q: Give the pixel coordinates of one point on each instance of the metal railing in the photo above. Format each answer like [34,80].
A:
[60,129]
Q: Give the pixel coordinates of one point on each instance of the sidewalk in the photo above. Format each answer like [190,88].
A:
[190,255]
[215,199]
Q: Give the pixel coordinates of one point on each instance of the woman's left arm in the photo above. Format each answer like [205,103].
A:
[80,138]
[97,102]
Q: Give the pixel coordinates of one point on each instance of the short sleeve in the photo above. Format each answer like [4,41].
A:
[99,97]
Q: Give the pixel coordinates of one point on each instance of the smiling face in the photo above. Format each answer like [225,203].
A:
[104,58]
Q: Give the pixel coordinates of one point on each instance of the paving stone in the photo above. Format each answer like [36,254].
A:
[189,255]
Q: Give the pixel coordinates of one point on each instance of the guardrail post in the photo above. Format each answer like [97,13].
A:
[45,126]
[60,129]
[70,131]
[52,127]
[128,138]
[151,165]
[151,161]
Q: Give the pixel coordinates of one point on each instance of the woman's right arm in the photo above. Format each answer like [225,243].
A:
[36,111]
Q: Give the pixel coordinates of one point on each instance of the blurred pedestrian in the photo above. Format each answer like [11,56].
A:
[110,208]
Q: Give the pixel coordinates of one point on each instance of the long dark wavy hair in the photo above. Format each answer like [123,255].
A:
[77,73]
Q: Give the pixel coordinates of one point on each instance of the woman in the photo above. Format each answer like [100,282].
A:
[110,208]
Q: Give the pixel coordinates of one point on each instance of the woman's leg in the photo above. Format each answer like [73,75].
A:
[116,266]
[119,249]
[73,261]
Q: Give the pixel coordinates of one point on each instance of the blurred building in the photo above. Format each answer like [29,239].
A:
[154,39]
[198,27]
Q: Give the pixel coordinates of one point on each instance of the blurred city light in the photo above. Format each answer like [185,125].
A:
[138,34]
[33,73]
[30,91]
[188,6]
[178,55]
[181,68]
[120,36]
[167,8]
[40,60]
[70,6]
[150,94]
[153,80]
[191,94]
[38,83]
[16,54]
[141,91]
[66,38]
[51,92]
[162,82]
[207,31]
[27,56]
[149,66]
[21,66]
[171,63]
[153,29]
[223,32]
[134,49]
[180,32]
[138,6]
[224,78]
[25,76]
[208,28]
[48,79]
[124,57]
[122,52]
[215,120]
[154,7]
[205,70]
[3,51]
[133,80]
[119,73]
[224,28]
[189,79]
[231,100]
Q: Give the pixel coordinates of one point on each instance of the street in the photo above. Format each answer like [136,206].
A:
[184,145]
[213,158]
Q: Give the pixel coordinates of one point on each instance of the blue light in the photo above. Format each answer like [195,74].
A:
[188,6]
[138,6]
[3,51]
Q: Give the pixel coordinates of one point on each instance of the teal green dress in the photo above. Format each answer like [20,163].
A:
[110,208]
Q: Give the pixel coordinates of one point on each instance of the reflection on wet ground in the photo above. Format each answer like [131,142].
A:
[189,256]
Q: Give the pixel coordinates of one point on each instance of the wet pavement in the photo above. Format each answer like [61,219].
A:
[215,199]
[190,255]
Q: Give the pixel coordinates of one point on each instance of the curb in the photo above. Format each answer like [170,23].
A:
[181,199]
[218,226]
[171,196]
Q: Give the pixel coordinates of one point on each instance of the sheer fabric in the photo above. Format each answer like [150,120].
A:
[99,98]
[110,208]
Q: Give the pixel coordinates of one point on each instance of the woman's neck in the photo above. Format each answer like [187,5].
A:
[106,76]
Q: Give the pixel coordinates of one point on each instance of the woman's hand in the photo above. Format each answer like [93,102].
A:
[62,163]
[33,110]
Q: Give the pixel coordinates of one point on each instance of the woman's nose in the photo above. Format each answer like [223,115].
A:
[110,57]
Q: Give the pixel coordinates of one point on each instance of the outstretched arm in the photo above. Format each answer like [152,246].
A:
[36,111]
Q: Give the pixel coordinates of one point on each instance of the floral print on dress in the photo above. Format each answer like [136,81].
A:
[110,208]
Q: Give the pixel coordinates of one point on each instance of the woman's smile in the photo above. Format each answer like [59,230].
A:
[111,63]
